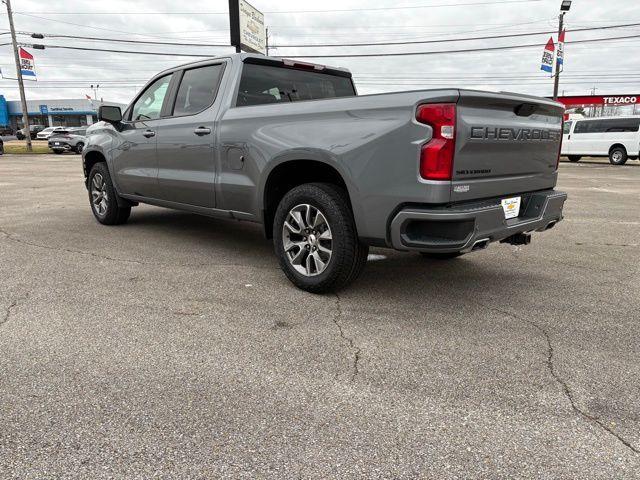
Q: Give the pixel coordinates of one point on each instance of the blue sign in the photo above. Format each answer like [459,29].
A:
[44,110]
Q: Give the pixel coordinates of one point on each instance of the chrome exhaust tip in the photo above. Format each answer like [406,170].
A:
[480,244]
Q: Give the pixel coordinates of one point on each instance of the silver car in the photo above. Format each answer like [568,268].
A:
[48,132]
[70,140]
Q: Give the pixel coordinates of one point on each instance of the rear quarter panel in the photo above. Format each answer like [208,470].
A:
[373,141]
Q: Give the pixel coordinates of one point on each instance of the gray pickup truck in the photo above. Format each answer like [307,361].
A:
[328,173]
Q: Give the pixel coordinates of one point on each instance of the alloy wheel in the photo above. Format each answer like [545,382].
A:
[307,240]
[99,195]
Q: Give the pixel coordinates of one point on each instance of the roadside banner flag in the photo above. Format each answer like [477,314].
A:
[27,65]
[560,56]
[547,56]
[88,96]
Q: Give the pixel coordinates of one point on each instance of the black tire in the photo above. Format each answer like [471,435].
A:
[441,255]
[618,156]
[348,254]
[574,158]
[112,213]
[57,152]
[79,147]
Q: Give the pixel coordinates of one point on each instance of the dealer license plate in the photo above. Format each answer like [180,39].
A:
[511,207]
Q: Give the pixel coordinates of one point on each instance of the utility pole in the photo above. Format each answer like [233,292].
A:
[267,40]
[23,99]
[556,80]
[564,8]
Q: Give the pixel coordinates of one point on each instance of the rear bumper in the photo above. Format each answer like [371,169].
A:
[65,147]
[460,227]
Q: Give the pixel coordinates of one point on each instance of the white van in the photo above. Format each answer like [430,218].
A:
[615,137]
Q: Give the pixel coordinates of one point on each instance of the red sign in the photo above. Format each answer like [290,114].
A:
[600,100]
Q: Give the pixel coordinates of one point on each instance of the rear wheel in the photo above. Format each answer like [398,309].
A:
[574,158]
[103,199]
[618,156]
[315,238]
[441,255]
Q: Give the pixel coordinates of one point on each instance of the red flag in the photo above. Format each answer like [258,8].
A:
[88,97]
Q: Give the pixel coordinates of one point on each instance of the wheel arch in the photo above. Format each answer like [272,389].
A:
[289,172]
[89,159]
[620,145]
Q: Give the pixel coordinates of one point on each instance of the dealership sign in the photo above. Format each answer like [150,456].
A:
[248,32]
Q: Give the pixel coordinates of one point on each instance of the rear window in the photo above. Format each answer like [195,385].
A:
[263,84]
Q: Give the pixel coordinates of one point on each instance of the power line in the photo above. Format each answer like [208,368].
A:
[490,37]
[276,12]
[414,42]
[353,55]
[465,50]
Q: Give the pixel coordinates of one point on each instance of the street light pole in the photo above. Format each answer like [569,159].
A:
[556,80]
[564,8]
[23,98]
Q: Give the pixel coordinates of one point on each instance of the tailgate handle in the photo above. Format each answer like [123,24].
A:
[525,109]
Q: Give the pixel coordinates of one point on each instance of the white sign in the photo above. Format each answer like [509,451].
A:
[253,36]
[511,207]
[619,100]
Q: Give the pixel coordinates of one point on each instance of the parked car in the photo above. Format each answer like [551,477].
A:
[1,146]
[6,131]
[46,133]
[34,130]
[71,140]
[328,173]
[615,137]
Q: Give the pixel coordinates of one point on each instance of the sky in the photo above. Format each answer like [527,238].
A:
[611,67]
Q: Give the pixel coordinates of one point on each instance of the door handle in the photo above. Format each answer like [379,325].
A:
[202,131]
[149,134]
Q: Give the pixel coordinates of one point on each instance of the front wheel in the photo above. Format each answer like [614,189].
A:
[102,196]
[79,147]
[618,156]
[574,158]
[315,238]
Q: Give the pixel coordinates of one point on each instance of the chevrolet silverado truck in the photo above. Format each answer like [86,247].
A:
[328,173]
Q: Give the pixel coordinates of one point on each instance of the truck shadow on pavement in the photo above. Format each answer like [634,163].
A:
[389,272]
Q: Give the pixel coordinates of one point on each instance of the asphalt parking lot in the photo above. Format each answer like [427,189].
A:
[173,347]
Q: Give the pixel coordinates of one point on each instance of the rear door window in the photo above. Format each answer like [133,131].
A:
[198,89]
[264,84]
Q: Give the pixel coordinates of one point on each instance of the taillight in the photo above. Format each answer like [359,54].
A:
[436,156]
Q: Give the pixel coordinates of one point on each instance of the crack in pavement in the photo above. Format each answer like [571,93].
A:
[632,245]
[356,350]
[12,306]
[565,387]
[14,238]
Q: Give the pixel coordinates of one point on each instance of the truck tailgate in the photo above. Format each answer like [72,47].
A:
[505,143]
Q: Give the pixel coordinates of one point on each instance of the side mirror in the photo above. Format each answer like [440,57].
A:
[108,113]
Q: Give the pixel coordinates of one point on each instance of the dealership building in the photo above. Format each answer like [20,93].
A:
[51,113]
